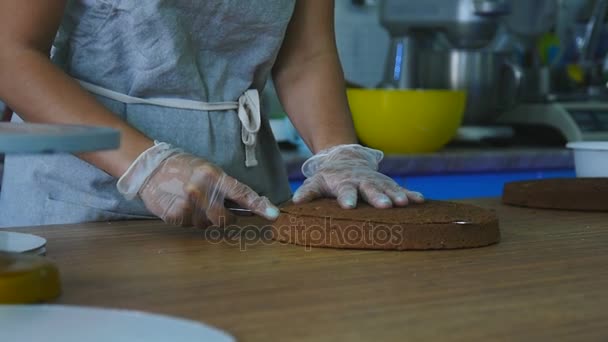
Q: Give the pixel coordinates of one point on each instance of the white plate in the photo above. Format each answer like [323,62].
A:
[72,323]
[20,242]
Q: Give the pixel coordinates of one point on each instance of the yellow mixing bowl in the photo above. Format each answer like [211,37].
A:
[406,121]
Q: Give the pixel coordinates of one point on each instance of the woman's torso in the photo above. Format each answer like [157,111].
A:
[208,51]
[196,49]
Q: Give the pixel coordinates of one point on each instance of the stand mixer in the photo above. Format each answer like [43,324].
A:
[434,24]
[448,44]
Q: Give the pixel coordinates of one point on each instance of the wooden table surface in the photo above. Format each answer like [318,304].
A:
[546,280]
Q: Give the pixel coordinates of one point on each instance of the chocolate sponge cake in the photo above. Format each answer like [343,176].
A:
[431,225]
[584,194]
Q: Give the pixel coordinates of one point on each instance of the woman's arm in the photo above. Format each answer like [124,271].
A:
[311,86]
[40,92]
[309,78]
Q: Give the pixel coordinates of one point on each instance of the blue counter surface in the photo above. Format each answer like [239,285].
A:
[470,185]
[462,173]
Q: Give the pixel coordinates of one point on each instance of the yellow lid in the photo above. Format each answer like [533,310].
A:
[27,278]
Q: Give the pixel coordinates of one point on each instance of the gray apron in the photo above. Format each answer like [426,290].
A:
[181,71]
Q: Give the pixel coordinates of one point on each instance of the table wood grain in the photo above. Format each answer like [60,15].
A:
[546,280]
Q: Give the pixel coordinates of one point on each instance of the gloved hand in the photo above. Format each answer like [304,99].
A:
[346,171]
[186,190]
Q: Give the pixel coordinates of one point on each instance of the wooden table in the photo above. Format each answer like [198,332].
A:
[546,280]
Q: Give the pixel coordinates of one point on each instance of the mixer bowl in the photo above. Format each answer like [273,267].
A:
[492,83]
[406,121]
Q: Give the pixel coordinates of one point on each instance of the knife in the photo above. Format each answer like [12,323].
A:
[236,209]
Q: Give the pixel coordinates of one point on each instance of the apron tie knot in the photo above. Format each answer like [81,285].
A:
[250,117]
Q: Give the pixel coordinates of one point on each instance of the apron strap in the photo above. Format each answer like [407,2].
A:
[248,107]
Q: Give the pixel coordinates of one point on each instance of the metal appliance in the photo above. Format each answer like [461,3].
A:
[574,121]
[444,24]
[446,44]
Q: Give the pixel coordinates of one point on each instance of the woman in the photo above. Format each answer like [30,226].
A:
[180,80]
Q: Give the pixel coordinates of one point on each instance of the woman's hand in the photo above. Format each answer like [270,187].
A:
[185,190]
[346,171]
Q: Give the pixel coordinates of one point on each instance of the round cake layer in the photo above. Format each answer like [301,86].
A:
[432,225]
[584,194]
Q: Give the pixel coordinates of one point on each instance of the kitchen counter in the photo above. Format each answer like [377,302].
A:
[459,160]
[452,160]
[546,281]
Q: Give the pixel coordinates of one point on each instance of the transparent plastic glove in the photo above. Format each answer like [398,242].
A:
[346,171]
[186,190]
